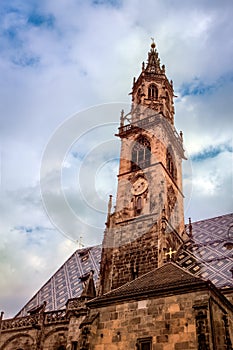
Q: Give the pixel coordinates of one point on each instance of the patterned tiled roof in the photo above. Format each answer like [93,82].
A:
[162,280]
[66,282]
[204,256]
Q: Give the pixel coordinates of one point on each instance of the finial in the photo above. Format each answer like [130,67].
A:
[153,43]
[122,118]
[190,228]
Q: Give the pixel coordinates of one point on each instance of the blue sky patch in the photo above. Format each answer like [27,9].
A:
[211,152]
[38,20]
[113,3]
[26,61]
[197,87]
[10,34]
[30,229]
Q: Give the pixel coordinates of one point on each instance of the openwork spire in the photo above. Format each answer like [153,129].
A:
[152,91]
[153,64]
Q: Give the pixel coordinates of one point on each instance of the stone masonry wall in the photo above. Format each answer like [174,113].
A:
[170,321]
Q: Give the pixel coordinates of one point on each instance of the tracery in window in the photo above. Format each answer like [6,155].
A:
[141,154]
[152,92]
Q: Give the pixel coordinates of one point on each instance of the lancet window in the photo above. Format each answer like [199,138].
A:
[141,154]
[171,168]
[152,92]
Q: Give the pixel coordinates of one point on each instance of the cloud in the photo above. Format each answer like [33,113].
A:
[212,183]
[60,57]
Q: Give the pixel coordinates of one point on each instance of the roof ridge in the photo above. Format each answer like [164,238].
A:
[215,217]
[171,263]
[174,263]
[161,278]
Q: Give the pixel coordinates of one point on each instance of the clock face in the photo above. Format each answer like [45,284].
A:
[139,186]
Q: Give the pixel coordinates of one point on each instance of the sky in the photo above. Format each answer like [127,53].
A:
[66,69]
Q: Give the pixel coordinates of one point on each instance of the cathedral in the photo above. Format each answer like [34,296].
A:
[155,283]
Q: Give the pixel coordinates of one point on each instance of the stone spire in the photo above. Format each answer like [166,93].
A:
[152,92]
[153,64]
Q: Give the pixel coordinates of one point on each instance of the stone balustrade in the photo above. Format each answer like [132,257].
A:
[55,316]
[22,322]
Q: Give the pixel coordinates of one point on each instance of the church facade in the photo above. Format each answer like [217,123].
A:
[162,285]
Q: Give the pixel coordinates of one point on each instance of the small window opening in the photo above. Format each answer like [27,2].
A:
[134,270]
[74,345]
[144,343]
[152,92]
[138,205]
[171,166]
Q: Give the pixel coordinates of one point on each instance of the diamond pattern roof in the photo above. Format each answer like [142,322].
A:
[204,255]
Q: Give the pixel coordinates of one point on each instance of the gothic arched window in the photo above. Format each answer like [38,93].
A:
[141,154]
[152,92]
[171,165]
[139,205]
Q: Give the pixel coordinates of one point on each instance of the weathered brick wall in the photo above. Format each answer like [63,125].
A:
[221,325]
[54,337]
[175,322]
[129,259]
[170,321]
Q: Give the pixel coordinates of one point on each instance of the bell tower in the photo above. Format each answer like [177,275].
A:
[152,89]
[147,224]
